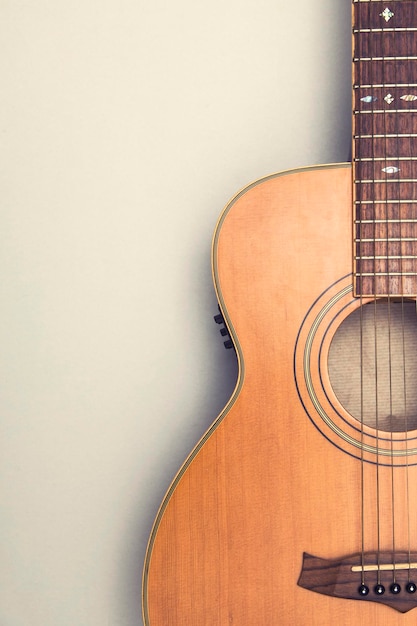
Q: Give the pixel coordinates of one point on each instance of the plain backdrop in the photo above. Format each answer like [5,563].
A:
[125,128]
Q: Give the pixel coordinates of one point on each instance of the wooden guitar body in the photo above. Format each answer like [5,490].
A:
[281,471]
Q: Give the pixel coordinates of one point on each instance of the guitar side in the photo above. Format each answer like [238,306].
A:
[264,485]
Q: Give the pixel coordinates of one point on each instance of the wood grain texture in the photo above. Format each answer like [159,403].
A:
[384,154]
[264,485]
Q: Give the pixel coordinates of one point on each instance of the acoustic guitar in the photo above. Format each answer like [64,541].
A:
[299,505]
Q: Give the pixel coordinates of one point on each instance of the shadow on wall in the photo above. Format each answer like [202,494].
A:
[218,389]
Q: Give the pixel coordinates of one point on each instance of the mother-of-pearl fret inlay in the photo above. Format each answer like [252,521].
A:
[391,169]
[385,147]
[387,14]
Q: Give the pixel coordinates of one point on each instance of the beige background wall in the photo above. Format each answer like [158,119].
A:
[125,127]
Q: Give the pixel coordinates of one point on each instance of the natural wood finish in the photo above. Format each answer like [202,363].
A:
[264,485]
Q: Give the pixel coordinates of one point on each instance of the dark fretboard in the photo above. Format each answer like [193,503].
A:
[385,147]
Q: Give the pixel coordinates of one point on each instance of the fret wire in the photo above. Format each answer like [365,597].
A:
[372,111]
[385,201]
[397,58]
[357,31]
[384,86]
[386,257]
[367,181]
[369,159]
[386,273]
[388,221]
[386,239]
[390,136]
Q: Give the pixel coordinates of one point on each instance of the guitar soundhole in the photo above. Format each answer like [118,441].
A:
[372,365]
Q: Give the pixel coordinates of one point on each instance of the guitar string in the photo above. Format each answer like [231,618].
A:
[398,146]
[362,444]
[402,252]
[389,282]
[358,122]
[389,289]
[407,485]
[376,289]
[378,500]
[402,280]
[363,280]
[403,285]
[362,253]
[407,477]
[375,300]
[389,279]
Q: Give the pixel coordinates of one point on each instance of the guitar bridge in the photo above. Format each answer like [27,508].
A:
[372,577]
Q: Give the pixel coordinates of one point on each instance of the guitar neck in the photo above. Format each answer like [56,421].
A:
[385,147]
